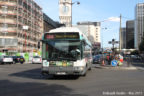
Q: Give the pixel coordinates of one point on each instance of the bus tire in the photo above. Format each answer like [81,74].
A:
[90,69]
[85,72]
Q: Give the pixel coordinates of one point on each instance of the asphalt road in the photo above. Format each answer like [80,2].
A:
[26,80]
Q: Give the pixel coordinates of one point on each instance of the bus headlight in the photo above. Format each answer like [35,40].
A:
[45,63]
[79,68]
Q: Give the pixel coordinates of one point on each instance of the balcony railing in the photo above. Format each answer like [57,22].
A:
[8,13]
[8,29]
[8,3]
[11,21]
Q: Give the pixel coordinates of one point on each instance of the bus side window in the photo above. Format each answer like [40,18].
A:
[82,48]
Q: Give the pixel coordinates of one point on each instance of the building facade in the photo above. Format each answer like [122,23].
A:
[92,31]
[123,38]
[21,25]
[49,24]
[130,34]
[139,24]
[65,12]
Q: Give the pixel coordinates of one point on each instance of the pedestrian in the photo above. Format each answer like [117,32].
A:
[110,59]
[21,60]
[107,59]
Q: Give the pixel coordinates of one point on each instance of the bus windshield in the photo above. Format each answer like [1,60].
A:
[56,50]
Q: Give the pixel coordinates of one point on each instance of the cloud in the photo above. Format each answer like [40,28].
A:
[114,19]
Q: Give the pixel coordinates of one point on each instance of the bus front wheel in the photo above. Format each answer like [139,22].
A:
[85,71]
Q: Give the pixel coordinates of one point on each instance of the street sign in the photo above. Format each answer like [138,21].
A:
[113,42]
[114,63]
[110,42]
[117,42]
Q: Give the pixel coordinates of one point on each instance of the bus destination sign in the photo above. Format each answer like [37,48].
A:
[61,36]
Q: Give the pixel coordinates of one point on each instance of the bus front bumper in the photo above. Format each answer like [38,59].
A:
[63,70]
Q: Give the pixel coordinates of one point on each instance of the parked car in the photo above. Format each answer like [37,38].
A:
[36,59]
[16,59]
[6,60]
[97,59]
[136,57]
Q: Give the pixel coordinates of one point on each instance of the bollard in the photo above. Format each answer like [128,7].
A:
[103,62]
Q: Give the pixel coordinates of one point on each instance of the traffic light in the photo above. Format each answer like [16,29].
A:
[113,40]
[39,45]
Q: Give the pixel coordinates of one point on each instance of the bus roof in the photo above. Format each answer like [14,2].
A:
[70,29]
[65,29]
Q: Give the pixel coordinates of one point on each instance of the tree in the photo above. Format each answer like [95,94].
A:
[141,46]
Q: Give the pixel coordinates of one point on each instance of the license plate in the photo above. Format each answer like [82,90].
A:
[61,73]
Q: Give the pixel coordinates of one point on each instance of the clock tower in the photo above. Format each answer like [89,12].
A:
[65,12]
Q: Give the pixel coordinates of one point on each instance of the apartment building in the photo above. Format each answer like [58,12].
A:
[123,38]
[130,34]
[21,25]
[139,24]
[91,30]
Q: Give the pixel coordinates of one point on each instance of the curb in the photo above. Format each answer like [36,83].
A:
[117,68]
[120,68]
[140,68]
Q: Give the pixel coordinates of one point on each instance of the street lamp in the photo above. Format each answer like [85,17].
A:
[102,37]
[102,46]
[120,31]
[77,2]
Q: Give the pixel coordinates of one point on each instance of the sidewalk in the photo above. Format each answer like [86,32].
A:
[122,67]
[139,65]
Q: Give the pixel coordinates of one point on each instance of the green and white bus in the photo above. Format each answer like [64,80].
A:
[66,51]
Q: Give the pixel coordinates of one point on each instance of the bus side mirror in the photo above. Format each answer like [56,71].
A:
[84,42]
[75,53]
[38,44]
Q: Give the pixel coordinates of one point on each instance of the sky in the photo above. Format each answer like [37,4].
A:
[96,11]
